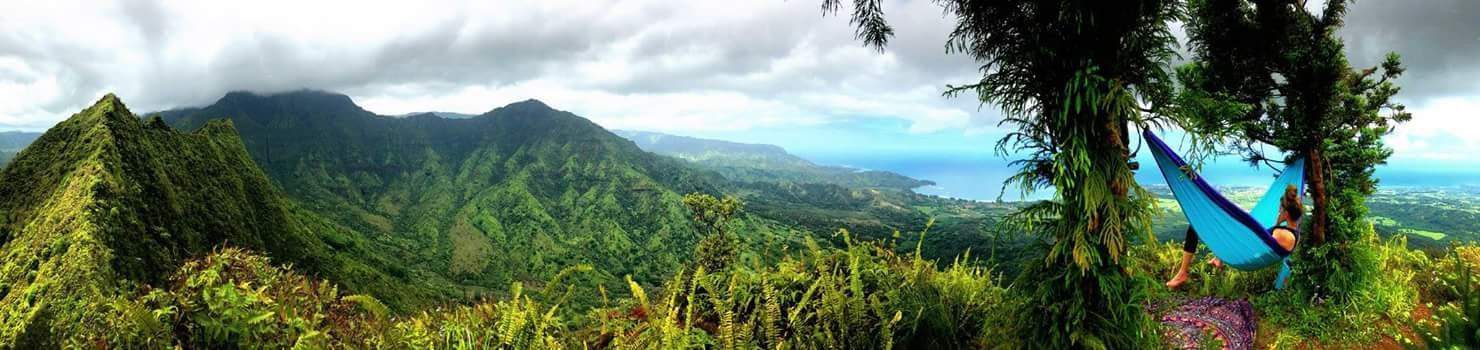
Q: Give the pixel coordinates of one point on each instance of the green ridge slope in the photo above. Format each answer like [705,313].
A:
[516,194]
[105,203]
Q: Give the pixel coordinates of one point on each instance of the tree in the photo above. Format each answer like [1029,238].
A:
[1281,66]
[1284,64]
[716,250]
[1072,77]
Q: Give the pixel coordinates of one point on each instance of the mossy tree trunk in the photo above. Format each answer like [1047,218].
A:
[1316,178]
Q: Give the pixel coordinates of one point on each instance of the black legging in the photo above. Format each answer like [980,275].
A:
[1189,244]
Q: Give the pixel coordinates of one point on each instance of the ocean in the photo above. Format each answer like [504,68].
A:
[979,176]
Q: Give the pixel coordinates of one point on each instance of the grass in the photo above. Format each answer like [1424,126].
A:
[1380,313]
[862,296]
[1423,233]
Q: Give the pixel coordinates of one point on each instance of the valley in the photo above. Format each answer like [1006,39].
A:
[412,212]
[417,211]
[515,195]
[696,175]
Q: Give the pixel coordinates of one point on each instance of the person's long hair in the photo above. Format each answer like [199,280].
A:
[1290,205]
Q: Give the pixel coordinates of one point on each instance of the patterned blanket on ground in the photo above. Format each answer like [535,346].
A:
[1230,322]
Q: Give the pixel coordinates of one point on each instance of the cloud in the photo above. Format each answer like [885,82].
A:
[699,66]
[1438,39]
[648,63]
[1442,130]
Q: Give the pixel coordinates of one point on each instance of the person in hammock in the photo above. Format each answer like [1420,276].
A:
[1285,232]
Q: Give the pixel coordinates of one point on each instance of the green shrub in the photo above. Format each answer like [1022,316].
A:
[1159,261]
[234,299]
[1455,322]
[862,296]
[1362,313]
[515,323]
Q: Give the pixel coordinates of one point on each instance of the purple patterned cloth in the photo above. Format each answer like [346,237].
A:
[1231,321]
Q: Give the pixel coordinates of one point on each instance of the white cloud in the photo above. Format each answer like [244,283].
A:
[1443,129]
[671,111]
[648,64]
[700,66]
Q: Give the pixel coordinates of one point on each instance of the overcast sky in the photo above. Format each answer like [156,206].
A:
[756,70]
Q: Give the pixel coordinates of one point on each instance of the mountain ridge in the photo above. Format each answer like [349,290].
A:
[514,195]
[106,203]
[699,149]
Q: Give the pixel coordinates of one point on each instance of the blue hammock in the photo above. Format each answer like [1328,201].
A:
[1241,239]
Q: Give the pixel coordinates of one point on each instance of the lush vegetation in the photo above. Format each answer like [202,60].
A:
[473,205]
[534,228]
[1430,217]
[1072,78]
[106,203]
[520,193]
[861,296]
[1280,77]
[872,204]
[86,269]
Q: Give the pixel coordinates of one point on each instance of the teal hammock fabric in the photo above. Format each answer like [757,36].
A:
[1241,239]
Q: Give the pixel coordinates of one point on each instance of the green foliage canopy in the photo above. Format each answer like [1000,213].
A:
[1280,72]
[1071,77]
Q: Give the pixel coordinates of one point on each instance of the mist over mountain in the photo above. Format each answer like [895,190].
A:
[12,142]
[16,140]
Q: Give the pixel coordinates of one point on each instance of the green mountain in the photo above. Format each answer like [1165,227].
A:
[12,142]
[516,194]
[523,191]
[763,163]
[106,203]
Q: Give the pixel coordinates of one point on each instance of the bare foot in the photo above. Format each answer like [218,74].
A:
[1177,280]
[1218,263]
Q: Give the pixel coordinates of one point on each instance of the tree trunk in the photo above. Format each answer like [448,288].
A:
[1317,180]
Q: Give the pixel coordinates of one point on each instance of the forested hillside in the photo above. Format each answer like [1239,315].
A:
[300,219]
[815,198]
[125,233]
[516,194]
[105,204]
